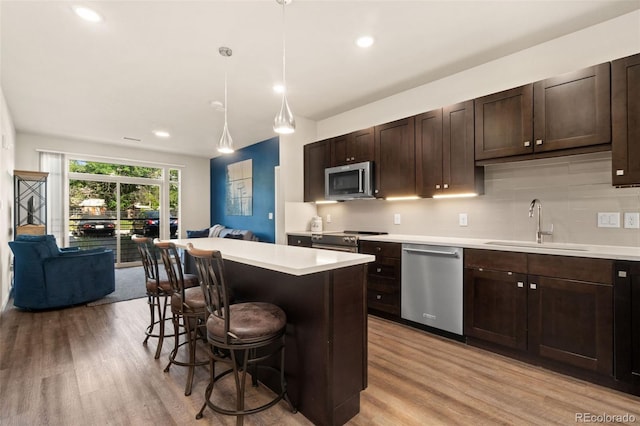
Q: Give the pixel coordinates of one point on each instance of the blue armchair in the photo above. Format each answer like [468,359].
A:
[46,276]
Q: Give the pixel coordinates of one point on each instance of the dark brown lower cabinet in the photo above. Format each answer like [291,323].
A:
[383,278]
[627,323]
[494,305]
[553,309]
[571,322]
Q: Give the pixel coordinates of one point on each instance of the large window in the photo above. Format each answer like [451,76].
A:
[109,202]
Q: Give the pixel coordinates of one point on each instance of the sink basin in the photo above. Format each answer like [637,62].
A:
[554,246]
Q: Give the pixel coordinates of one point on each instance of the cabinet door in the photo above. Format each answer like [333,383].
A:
[395,163]
[625,105]
[317,157]
[627,323]
[504,123]
[571,322]
[362,146]
[459,173]
[339,153]
[495,307]
[573,110]
[428,153]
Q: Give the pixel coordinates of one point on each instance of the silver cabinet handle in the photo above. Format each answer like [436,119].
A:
[619,172]
[378,296]
[437,186]
[520,284]
[446,185]
[533,286]
[422,251]
[538,141]
[527,144]
[378,270]
[622,274]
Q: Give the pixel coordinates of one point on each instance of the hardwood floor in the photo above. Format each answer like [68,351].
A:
[87,365]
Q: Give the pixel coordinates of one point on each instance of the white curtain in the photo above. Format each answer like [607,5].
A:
[54,163]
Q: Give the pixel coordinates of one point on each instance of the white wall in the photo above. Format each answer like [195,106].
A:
[291,182]
[7,156]
[195,194]
[572,189]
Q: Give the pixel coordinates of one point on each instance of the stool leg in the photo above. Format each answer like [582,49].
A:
[151,304]
[209,390]
[191,327]
[176,332]
[162,310]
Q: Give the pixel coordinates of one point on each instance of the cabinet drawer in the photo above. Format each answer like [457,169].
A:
[299,240]
[387,302]
[495,260]
[381,249]
[572,268]
[385,267]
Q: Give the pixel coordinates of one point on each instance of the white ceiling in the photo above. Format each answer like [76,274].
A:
[155,64]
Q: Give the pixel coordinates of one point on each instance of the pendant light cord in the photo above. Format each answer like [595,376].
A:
[284,47]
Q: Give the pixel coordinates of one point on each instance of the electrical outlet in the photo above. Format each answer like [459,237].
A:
[328,218]
[462,219]
[632,220]
[609,220]
[396,219]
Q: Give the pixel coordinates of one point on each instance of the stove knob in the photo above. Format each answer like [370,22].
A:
[352,239]
[345,239]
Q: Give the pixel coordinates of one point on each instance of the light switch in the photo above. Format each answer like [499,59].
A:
[270,216]
[462,219]
[328,218]
[396,219]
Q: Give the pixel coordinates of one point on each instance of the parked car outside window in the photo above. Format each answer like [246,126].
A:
[95,225]
[148,224]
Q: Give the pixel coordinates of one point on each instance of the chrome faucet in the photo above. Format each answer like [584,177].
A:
[539,231]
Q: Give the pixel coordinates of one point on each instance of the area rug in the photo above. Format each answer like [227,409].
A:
[129,285]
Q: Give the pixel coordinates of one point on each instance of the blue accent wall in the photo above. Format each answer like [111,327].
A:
[265,156]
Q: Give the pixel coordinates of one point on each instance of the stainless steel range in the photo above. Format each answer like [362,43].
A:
[340,241]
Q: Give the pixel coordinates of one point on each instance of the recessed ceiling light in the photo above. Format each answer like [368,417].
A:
[278,88]
[87,14]
[365,41]
[162,133]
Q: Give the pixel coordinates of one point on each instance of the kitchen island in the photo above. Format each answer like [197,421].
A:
[324,296]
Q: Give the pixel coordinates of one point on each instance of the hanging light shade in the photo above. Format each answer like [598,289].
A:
[225,146]
[284,122]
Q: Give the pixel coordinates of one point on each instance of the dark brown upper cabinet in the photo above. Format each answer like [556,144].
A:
[625,106]
[317,157]
[395,173]
[567,114]
[573,110]
[354,147]
[445,161]
[504,123]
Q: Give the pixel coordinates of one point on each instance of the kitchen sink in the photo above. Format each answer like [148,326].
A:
[554,246]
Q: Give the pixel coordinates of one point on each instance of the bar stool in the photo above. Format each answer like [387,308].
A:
[244,334]
[187,307]
[158,291]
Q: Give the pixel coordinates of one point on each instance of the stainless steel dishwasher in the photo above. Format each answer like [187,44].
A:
[431,289]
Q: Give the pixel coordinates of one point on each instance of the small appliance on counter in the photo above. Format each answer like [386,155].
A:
[316,224]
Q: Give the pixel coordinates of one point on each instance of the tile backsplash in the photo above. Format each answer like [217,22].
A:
[572,191]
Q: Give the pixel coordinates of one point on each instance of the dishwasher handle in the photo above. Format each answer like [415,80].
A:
[436,252]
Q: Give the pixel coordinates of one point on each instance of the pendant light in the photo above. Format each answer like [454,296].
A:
[225,146]
[284,122]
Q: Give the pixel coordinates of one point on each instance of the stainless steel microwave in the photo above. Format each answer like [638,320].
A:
[349,181]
